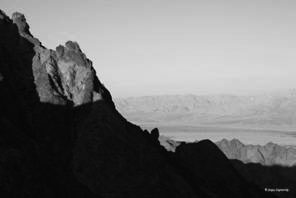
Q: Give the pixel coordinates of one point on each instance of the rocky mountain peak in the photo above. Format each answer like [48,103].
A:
[3,16]
[20,20]
[70,74]
[61,76]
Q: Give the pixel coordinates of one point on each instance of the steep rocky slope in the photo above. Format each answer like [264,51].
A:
[61,135]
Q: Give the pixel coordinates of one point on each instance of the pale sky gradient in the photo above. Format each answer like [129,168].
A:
[149,47]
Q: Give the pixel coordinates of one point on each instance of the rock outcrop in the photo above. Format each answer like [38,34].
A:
[168,144]
[61,135]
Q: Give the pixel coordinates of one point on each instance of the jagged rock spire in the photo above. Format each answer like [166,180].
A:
[61,76]
[23,27]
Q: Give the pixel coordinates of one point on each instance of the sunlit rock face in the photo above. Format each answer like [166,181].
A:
[65,75]
[61,76]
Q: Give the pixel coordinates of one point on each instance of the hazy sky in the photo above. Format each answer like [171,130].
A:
[145,47]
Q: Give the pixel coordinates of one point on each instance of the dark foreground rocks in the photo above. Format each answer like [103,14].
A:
[61,135]
[266,166]
[271,166]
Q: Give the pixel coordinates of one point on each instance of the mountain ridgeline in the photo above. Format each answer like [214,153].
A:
[267,155]
[61,135]
[270,154]
[269,111]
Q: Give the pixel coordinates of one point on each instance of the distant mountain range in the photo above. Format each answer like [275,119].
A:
[265,111]
[268,154]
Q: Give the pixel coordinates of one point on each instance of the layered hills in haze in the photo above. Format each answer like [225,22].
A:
[265,111]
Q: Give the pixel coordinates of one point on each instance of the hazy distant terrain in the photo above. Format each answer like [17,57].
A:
[252,119]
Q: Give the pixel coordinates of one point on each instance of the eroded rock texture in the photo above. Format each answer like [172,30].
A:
[61,135]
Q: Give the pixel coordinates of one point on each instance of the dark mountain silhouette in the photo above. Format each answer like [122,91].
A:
[270,166]
[61,135]
[278,178]
[210,167]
